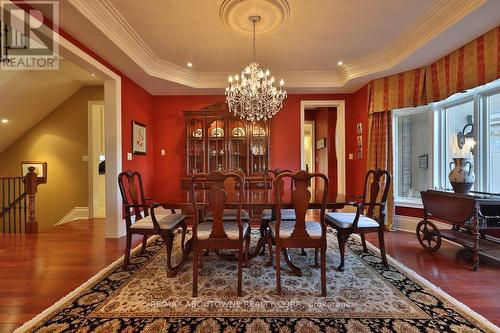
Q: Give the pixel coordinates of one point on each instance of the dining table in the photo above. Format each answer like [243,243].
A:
[254,200]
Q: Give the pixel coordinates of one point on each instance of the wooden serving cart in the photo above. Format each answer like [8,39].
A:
[474,218]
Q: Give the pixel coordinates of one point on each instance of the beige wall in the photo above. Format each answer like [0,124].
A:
[61,140]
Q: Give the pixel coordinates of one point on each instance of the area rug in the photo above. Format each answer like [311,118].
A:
[366,297]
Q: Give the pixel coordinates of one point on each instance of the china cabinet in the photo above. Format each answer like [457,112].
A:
[217,140]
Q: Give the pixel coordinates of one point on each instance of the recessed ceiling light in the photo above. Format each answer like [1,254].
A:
[189,64]
[5,121]
[92,74]
[340,63]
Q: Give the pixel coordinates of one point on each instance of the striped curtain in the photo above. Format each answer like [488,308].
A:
[472,65]
[397,91]
[380,153]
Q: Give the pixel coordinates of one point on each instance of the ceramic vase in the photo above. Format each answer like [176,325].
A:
[461,176]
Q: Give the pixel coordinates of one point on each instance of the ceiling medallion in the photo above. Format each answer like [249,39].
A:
[274,13]
[252,95]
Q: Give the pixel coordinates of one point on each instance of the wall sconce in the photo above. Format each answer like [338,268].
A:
[465,138]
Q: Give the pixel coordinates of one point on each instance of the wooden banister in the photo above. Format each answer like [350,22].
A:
[18,194]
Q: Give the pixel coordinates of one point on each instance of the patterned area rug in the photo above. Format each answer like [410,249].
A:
[365,298]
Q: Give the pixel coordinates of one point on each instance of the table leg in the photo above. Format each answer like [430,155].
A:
[188,247]
[475,244]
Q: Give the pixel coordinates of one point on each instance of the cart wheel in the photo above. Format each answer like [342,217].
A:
[428,236]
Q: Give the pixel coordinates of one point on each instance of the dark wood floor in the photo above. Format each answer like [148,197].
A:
[38,270]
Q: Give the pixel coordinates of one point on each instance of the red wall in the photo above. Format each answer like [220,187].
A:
[356,112]
[138,105]
[285,137]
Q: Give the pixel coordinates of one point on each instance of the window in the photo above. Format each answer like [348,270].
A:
[412,153]
[493,110]
[430,136]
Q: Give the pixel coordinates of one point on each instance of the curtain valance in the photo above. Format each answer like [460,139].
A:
[472,65]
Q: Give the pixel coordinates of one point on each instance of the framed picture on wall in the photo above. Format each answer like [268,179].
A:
[423,161]
[359,140]
[40,169]
[139,143]
[321,143]
[359,128]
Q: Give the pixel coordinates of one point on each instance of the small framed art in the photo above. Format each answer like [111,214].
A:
[139,143]
[40,169]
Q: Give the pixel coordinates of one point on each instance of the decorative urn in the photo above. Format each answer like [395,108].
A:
[462,175]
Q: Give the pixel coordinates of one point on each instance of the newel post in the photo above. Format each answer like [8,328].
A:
[31,183]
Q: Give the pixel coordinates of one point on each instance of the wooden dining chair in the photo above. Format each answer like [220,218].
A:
[299,233]
[369,216]
[267,214]
[218,233]
[147,219]
[230,214]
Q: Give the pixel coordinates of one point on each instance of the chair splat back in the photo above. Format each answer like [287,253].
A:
[272,175]
[301,197]
[132,192]
[376,190]
[218,194]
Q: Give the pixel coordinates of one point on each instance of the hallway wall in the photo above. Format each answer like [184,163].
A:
[61,140]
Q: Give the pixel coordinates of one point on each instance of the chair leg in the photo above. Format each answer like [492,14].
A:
[183,237]
[363,240]
[278,269]
[144,243]
[270,246]
[341,236]
[247,248]
[323,271]
[240,268]
[263,235]
[316,261]
[195,270]
[382,246]
[126,261]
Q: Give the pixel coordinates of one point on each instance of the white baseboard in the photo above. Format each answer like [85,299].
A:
[76,213]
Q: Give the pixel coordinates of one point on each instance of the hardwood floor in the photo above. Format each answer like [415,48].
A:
[38,270]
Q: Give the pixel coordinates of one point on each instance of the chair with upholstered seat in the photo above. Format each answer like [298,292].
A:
[147,219]
[369,216]
[299,233]
[218,233]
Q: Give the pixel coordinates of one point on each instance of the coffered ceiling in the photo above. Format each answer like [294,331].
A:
[301,41]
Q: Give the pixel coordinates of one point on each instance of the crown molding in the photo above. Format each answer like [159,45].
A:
[105,17]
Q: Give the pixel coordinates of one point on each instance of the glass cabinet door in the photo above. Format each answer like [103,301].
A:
[217,150]
[195,146]
[237,145]
[259,136]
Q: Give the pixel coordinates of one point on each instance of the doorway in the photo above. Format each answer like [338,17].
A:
[309,151]
[97,159]
[337,142]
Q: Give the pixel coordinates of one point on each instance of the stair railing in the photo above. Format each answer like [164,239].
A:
[18,210]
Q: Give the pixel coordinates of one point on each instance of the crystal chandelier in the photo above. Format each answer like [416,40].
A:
[252,95]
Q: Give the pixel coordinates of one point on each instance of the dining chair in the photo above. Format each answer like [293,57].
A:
[147,219]
[267,214]
[299,233]
[219,233]
[230,214]
[369,216]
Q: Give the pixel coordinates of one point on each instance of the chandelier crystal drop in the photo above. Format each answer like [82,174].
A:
[252,95]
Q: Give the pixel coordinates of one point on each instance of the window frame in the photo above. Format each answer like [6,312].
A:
[403,201]
[438,134]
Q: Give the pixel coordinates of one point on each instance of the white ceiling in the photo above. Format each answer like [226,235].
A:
[26,97]
[151,40]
